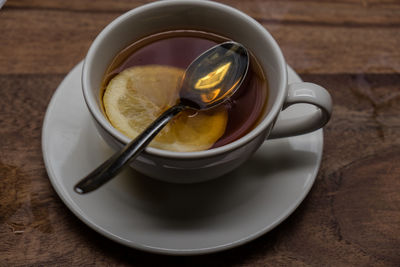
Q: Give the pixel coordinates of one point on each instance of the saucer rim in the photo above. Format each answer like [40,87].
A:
[71,204]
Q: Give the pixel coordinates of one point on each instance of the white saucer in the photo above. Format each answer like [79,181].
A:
[154,216]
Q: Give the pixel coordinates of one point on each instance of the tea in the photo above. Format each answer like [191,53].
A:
[177,49]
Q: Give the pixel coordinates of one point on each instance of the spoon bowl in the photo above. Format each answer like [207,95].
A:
[214,76]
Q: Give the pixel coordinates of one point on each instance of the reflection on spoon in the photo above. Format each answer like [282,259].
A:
[209,80]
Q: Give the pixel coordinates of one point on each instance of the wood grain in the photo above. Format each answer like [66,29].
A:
[351,216]
[315,38]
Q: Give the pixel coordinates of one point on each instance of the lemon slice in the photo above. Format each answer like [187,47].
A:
[137,96]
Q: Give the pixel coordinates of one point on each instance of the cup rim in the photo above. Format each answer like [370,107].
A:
[106,125]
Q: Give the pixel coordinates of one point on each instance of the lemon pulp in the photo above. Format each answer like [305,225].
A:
[137,96]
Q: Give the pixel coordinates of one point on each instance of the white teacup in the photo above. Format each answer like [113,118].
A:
[189,167]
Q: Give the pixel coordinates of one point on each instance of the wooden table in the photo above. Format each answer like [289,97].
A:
[352,214]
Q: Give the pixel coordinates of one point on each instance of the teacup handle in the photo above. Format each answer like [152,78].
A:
[309,93]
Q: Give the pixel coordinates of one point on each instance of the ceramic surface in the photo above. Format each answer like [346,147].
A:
[197,166]
[178,219]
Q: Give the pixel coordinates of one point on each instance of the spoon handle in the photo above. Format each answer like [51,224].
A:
[110,168]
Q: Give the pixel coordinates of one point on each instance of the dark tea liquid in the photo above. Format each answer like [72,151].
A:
[179,49]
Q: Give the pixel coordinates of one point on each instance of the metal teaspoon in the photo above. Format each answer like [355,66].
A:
[209,80]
